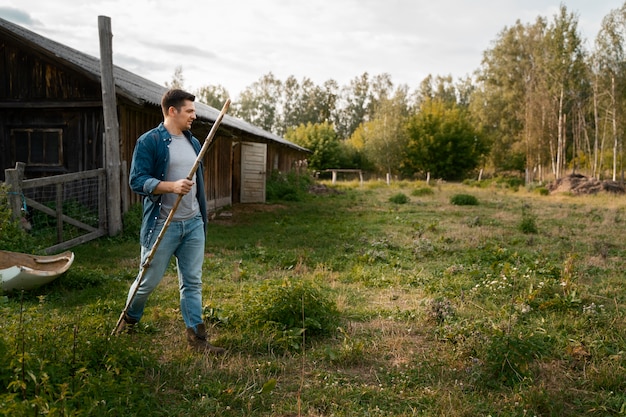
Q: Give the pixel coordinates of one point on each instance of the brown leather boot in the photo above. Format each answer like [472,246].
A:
[198,341]
[126,326]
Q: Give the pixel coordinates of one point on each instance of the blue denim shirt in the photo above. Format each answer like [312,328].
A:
[149,167]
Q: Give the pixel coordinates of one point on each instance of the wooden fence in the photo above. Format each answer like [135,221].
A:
[65,210]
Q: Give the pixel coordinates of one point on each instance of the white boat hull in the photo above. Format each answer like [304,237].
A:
[20,271]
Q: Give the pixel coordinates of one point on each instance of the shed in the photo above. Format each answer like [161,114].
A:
[51,118]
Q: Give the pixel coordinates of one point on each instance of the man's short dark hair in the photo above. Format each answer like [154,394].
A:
[175,98]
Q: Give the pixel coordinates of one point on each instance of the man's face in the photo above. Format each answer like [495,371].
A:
[185,117]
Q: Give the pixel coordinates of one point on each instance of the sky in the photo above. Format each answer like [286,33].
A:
[236,42]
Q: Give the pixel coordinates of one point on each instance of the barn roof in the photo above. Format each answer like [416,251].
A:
[128,85]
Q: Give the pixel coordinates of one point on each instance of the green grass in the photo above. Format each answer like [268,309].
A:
[513,307]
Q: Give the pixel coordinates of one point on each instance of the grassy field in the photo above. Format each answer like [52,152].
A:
[446,300]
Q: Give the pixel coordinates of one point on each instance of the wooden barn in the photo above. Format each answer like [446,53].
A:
[51,118]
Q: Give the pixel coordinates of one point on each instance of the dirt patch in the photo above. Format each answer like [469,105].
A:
[240,210]
[580,184]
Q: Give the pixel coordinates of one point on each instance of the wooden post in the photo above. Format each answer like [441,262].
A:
[111,127]
[59,211]
[14,179]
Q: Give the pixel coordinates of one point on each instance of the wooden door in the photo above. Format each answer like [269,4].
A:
[253,162]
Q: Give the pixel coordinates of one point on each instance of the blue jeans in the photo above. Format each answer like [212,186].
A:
[184,240]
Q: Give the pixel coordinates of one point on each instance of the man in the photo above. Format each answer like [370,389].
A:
[162,160]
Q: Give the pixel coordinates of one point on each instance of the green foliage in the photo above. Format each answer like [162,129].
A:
[422,191]
[405,308]
[290,186]
[510,105]
[509,356]
[304,102]
[13,237]
[354,157]
[213,95]
[442,141]
[79,277]
[463,200]
[511,182]
[44,226]
[350,351]
[514,161]
[322,141]
[286,309]
[528,224]
[132,222]
[384,137]
[257,103]
[399,198]
[355,110]
[507,182]
[77,366]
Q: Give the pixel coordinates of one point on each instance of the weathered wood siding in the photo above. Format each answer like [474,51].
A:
[218,172]
[282,158]
[134,121]
[37,94]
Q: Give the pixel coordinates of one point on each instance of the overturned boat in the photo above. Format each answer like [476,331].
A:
[20,271]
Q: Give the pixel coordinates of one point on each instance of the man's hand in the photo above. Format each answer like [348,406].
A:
[182,187]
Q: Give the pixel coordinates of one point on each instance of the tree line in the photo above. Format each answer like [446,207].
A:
[540,105]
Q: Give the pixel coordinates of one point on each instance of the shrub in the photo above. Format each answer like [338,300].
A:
[399,198]
[422,191]
[285,309]
[528,223]
[12,236]
[288,186]
[514,182]
[508,357]
[464,200]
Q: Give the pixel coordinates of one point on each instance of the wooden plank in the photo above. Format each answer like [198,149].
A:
[74,242]
[47,210]
[58,179]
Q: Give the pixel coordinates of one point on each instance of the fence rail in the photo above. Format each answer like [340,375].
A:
[66,210]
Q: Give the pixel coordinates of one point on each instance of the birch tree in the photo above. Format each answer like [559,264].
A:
[384,138]
[563,69]
[609,86]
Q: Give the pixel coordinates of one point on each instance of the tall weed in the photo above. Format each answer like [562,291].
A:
[13,236]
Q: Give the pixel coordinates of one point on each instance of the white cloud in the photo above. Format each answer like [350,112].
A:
[235,43]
